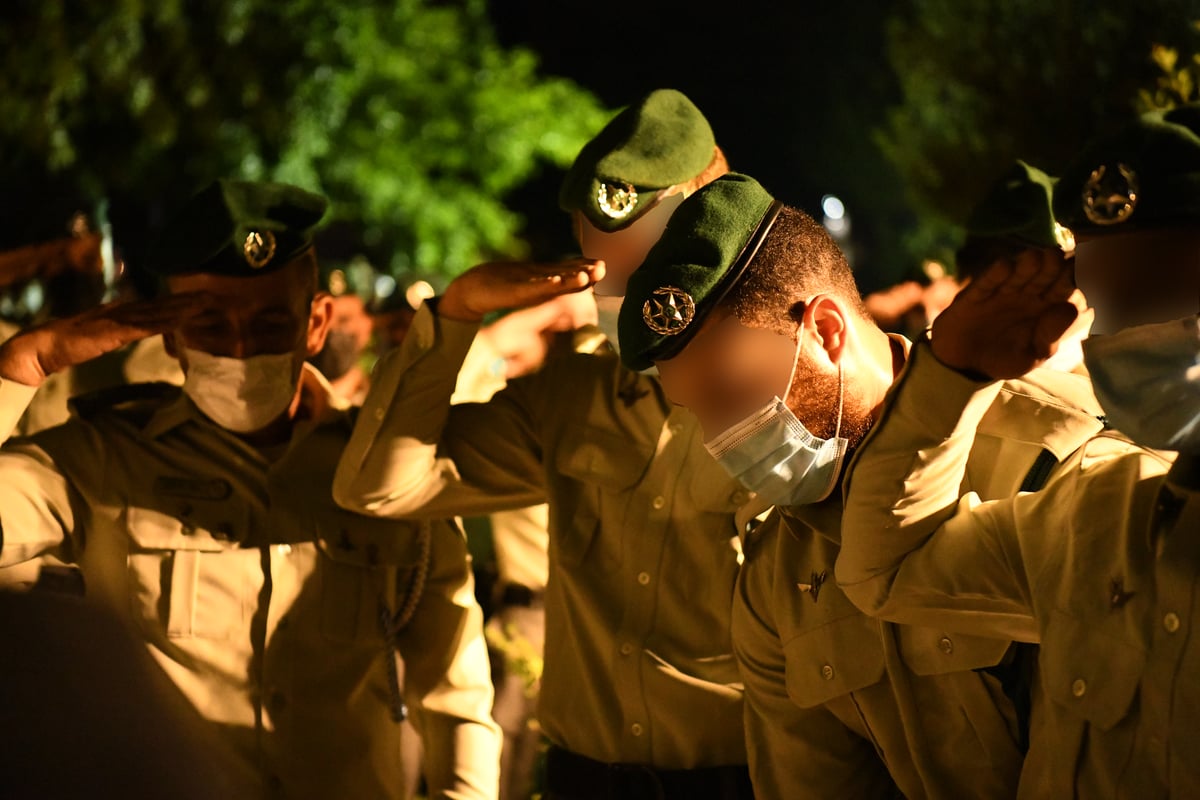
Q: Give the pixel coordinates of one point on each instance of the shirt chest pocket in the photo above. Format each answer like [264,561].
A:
[366,569]
[929,651]
[597,472]
[1089,674]
[842,656]
[188,579]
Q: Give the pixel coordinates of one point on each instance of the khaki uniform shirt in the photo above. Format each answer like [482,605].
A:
[836,700]
[260,598]
[1100,567]
[638,666]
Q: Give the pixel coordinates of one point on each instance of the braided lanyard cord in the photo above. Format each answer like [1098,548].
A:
[391,624]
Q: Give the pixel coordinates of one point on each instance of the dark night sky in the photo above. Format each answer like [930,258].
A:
[792,89]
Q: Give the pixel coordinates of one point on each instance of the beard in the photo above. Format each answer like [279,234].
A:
[814,400]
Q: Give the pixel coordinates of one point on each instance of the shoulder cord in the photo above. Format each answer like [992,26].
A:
[391,624]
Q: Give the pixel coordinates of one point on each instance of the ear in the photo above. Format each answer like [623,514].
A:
[827,320]
[320,316]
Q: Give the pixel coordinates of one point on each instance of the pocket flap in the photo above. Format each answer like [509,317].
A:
[833,660]
[366,542]
[931,651]
[1091,673]
[150,529]
[600,457]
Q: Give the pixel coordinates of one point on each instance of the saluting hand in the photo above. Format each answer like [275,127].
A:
[1009,320]
[502,285]
[31,355]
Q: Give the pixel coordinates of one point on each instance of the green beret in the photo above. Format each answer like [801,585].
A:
[711,239]
[661,141]
[238,228]
[1146,174]
[1015,215]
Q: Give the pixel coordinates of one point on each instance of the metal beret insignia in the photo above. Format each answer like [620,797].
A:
[616,199]
[669,310]
[259,248]
[1110,195]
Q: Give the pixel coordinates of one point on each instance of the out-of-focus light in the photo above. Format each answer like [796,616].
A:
[934,270]
[385,286]
[418,293]
[838,227]
[833,207]
[337,282]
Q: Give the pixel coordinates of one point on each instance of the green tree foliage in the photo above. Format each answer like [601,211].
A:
[407,113]
[987,81]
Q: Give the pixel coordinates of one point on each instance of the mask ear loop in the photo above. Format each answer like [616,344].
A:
[837,431]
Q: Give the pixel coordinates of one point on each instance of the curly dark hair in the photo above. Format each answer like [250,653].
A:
[797,260]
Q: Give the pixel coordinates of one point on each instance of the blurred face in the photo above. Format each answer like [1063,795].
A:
[258,315]
[623,251]
[729,371]
[351,318]
[1139,277]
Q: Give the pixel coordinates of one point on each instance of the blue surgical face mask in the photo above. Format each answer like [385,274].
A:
[1147,379]
[772,454]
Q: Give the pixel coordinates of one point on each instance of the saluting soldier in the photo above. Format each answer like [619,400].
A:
[1014,216]
[750,313]
[1101,567]
[640,697]
[203,517]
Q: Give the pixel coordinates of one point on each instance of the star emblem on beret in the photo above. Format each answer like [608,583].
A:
[669,310]
[259,248]
[616,199]
[1110,195]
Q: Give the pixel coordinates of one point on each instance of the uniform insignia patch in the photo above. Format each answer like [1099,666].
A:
[668,311]
[1110,195]
[813,587]
[259,248]
[1117,596]
[616,199]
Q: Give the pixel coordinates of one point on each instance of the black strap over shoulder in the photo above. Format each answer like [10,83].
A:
[1018,671]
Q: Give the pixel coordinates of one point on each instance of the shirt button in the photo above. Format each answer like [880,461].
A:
[1171,622]
[379,414]
[658,502]
[643,578]
[626,649]
[283,549]
[827,672]
[1079,687]
[946,646]
[635,729]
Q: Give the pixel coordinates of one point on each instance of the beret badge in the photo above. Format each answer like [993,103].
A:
[1110,195]
[668,311]
[259,248]
[616,199]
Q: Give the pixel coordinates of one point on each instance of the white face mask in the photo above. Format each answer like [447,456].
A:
[1147,379]
[772,454]
[240,394]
